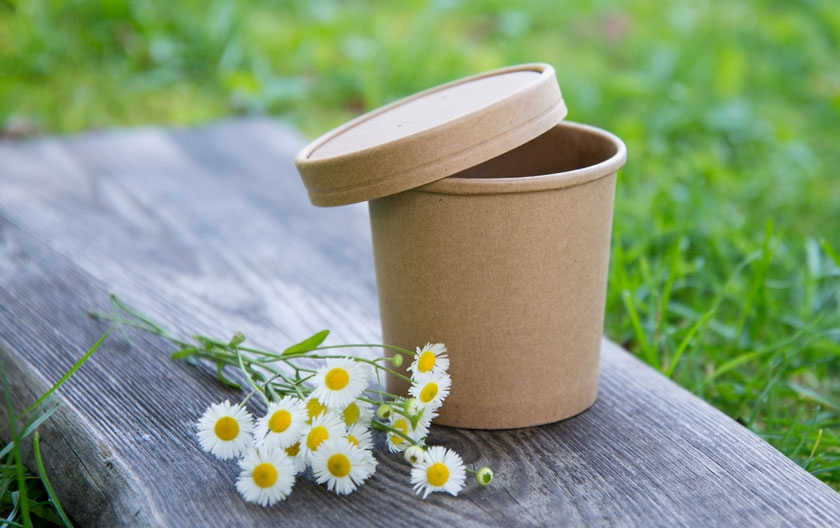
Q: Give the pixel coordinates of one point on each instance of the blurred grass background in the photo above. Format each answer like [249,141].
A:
[725,272]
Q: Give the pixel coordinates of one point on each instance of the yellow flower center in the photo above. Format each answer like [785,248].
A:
[437,474]
[280,421]
[314,408]
[429,392]
[402,426]
[351,414]
[352,440]
[264,475]
[293,450]
[336,379]
[316,436]
[226,428]
[339,465]
[426,361]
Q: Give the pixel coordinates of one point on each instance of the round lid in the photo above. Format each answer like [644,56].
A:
[431,135]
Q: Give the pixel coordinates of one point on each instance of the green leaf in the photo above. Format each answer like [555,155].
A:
[42,472]
[825,469]
[184,353]
[6,450]
[648,353]
[830,252]
[221,377]
[30,428]
[818,397]
[237,339]
[674,360]
[15,498]
[69,373]
[308,344]
[209,342]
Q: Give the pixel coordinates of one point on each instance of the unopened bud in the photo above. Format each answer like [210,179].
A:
[414,454]
[384,411]
[412,407]
[484,476]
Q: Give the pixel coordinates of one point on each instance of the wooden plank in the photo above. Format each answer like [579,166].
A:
[209,230]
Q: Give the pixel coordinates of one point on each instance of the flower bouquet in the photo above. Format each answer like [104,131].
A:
[321,412]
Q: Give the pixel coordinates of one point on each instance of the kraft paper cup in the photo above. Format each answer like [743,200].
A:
[506,264]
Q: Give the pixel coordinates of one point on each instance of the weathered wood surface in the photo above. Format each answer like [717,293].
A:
[209,230]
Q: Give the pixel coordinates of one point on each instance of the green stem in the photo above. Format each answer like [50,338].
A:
[361,360]
[390,430]
[401,350]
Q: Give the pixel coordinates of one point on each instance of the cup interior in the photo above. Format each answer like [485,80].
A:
[564,148]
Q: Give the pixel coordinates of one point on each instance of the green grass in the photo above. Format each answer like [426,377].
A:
[725,272]
[27,499]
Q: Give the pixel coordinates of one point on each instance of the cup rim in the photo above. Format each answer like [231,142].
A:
[542,182]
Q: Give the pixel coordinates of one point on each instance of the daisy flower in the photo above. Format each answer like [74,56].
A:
[397,443]
[283,422]
[342,466]
[323,427]
[339,382]
[359,436]
[267,476]
[441,470]
[419,413]
[314,407]
[225,430]
[357,412]
[431,358]
[425,417]
[293,451]
[431,388]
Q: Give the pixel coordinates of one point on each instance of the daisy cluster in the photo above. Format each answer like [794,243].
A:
[325,425]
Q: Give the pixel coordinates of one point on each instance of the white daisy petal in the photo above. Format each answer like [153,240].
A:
[340,381]
[431,358]
[341,465]
[225,430]
[427,414]
[441,470]
[283,422]
[360,436]
[323,427]
[398,443]
[431,389]
[267,476]
[298,458]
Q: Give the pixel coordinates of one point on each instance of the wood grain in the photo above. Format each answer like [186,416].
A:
[209,230]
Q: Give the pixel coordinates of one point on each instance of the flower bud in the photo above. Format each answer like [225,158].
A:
[397,359]
[384,411]
[412,407]
[414,454]
[484,476]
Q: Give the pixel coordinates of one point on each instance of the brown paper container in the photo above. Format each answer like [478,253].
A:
[505,263]
[431,135]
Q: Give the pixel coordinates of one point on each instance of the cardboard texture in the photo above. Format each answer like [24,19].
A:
[431,135]
[491,223]
[508,268]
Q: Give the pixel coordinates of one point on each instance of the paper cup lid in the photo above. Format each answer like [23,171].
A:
[431,135]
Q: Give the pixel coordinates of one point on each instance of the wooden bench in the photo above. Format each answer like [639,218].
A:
[209,230]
